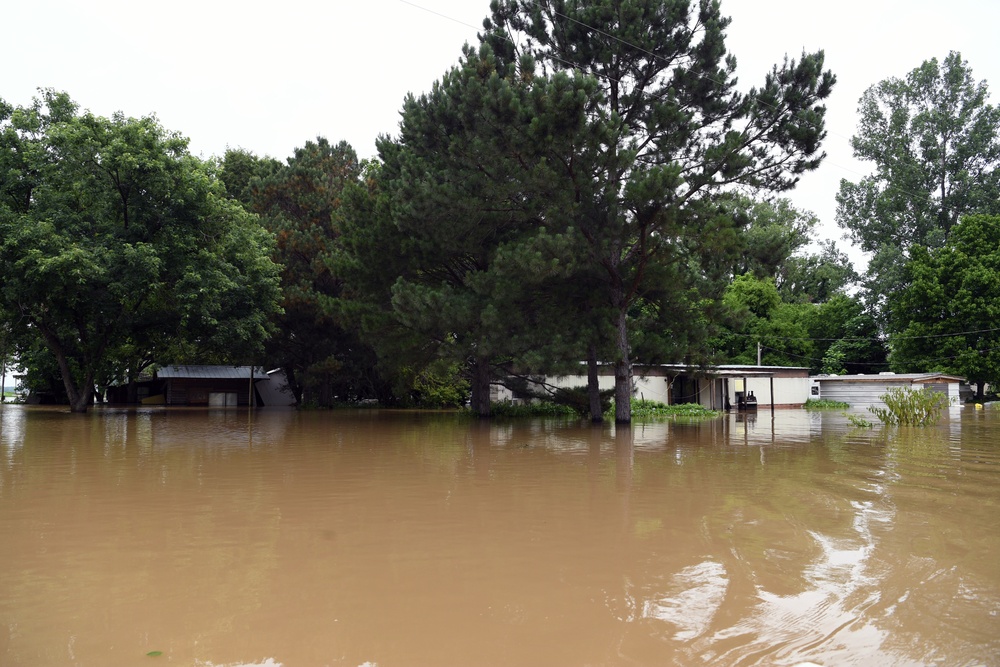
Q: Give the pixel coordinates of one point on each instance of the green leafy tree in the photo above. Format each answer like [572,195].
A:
[933,140]
[757,316]
[671,133]
[947,317]
[772,233]
[836,336]
[119,246]
[816,277]
[846,337]
[240,170]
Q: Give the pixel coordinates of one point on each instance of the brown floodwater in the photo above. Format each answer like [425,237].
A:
[221,538]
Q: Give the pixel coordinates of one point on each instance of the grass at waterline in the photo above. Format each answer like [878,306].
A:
[824,404]
[647,410]
[540,409]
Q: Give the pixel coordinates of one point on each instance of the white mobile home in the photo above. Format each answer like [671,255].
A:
[715,387]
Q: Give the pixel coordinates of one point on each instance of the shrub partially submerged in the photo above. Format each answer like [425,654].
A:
[910,407]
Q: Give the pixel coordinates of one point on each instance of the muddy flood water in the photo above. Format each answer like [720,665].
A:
[222,538]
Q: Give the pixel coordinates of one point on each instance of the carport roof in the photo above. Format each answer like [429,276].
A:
[211,372]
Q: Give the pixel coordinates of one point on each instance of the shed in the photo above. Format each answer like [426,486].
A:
[216,386]
[866,390]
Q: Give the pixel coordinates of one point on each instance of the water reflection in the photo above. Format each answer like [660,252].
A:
[225,538]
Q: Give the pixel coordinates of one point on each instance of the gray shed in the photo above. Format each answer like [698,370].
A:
[864,390]
[217,386]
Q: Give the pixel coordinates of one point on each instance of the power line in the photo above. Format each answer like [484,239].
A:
[861,363]
[864,338]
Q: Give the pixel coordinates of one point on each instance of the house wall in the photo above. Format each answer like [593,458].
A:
[712,393]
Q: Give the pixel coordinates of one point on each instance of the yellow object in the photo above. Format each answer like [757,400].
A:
[979,406]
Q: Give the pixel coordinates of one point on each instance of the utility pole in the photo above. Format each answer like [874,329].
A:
[758,353]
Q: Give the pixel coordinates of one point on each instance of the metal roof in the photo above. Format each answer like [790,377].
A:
[211,372]
[889,377]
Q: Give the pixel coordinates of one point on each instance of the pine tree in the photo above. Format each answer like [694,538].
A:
[670,132]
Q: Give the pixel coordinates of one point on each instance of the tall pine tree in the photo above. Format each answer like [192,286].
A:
[670,132]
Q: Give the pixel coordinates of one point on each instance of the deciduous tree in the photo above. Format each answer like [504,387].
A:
[933,140]
[948,317]
[116,241]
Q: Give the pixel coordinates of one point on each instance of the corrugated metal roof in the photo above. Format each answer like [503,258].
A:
[889,377]
[211,372]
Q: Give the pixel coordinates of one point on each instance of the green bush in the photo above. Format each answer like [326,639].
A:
[910,407]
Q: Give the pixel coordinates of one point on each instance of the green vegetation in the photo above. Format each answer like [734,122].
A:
[567,193]
[824,404]
[642,410]
[858,420]
[664,138]
[118,249]
[910,407]
[507,409]
[645,410]
[946,317]
[935,145]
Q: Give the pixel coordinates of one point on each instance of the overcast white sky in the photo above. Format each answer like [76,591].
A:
[268,76]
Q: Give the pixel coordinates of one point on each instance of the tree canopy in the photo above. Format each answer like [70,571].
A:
[471,188]
[320,353]
[671,131]
[948,317]
[119,246]
[933,140]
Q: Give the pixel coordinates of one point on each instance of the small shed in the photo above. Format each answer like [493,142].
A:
[866,390]
[215,386]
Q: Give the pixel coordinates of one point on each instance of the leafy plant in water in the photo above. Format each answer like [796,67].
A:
[858,420]
[645,409]
[910,407]
[824,404]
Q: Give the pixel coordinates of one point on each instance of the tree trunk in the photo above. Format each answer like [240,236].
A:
[594,386]
[480,400]
[131,390]
[79,398]
[293,384]
[325,391]
[623,370]
[980,390]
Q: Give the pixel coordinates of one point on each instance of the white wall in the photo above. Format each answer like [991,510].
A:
[787,391]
